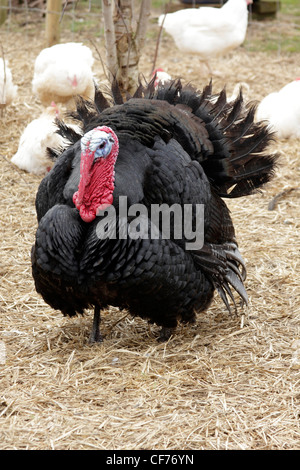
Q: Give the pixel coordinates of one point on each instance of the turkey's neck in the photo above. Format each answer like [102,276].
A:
[96,186]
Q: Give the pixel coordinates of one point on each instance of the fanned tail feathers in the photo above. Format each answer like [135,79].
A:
[241,162]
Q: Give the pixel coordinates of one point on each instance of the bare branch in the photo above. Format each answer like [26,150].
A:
[110,38]
[157,44]
[64,9]
[143,23]
[3,97]
[100,57]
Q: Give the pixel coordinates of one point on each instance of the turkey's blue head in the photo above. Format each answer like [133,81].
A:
[99,151]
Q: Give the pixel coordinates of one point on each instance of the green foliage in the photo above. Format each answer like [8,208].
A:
[282,32]
[290,7]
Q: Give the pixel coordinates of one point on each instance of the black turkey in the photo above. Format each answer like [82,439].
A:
[171,147]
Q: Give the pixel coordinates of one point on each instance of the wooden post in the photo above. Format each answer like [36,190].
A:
[52,22]
[3,10]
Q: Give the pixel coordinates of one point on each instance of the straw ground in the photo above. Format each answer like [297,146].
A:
[228,382]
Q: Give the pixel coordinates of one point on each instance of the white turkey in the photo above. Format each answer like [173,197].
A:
[62,72]
[282,110]
[161,77]
[8,91]
[40,134]
[207,31]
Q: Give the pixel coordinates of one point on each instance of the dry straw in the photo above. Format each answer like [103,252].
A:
[224,383]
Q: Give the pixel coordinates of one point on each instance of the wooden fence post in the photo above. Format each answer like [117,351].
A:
[52,22]
[3,10]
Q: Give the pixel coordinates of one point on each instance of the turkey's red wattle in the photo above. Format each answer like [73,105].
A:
[96,182]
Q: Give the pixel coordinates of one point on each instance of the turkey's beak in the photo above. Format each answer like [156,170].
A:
[74,82]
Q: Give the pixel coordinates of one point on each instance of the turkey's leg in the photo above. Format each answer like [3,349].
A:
[95,336]
[165,333]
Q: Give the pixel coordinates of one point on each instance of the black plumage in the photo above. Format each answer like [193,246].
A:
[176,146]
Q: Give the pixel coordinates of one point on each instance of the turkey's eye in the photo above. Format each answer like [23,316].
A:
[103,148]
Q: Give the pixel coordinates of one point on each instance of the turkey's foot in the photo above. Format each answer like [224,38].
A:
[95,336]
[189,318]
[165,334]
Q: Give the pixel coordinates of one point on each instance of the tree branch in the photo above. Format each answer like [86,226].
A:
[110,38]
[142,23]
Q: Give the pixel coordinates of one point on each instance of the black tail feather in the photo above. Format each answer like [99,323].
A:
[67,131]
[225,267]
[116,92]
[101,101]
[234,113]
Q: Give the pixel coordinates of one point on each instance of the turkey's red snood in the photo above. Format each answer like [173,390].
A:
[97,175]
